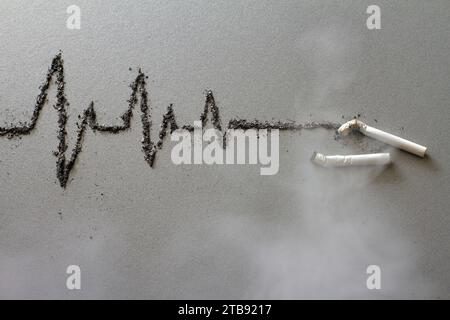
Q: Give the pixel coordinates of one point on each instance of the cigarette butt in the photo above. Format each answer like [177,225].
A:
[383,136]
[351,160]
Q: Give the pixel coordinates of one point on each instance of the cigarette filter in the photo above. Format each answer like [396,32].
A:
[351,160]
[383,136]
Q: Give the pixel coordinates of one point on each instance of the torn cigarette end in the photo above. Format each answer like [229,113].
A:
[351,160]
[383,136]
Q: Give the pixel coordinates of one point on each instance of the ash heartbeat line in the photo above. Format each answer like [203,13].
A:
[139,94]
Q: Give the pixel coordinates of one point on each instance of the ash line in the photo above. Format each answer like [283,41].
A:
[88,119]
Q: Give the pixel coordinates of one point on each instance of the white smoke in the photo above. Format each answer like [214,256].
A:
[332,223]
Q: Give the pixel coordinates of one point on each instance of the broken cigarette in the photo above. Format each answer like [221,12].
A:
[351,160]
[383,136]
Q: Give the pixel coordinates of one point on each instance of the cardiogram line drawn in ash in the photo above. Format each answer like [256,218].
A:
[88,119]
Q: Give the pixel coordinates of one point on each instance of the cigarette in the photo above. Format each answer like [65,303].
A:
[383,136]
[351,160]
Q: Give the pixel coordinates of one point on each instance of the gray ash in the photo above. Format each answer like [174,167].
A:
[88,119]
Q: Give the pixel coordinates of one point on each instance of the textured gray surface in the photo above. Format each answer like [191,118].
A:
[226,231]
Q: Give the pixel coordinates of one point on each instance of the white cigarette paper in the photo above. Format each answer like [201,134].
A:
[383,136]
[351,160]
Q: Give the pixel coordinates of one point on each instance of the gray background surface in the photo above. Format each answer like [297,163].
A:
[225,231]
